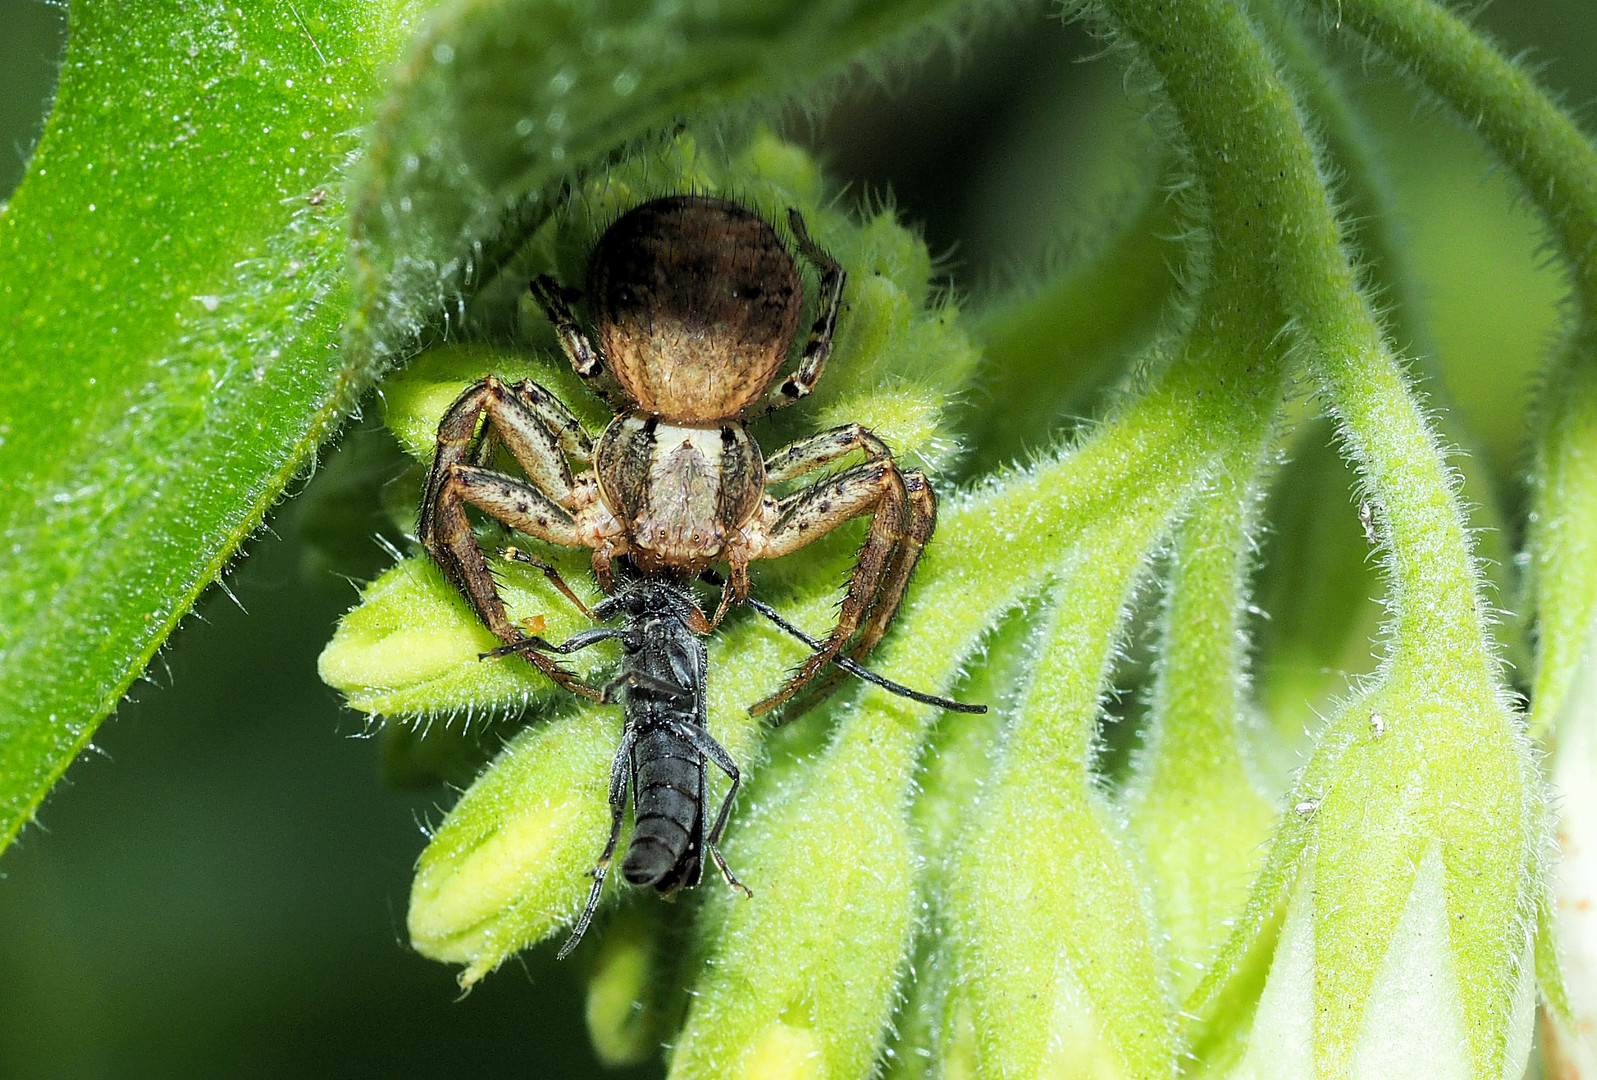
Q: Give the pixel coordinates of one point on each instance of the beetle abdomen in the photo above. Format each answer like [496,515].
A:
[667,840]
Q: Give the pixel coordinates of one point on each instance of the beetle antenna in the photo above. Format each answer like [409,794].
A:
[858,671]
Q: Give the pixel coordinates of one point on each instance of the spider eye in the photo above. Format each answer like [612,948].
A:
[746,292]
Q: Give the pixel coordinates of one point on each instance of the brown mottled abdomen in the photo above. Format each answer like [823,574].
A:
[695,302]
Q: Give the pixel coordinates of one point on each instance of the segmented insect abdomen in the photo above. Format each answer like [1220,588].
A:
[667,841]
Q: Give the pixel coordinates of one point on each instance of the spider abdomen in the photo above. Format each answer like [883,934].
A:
[696,302]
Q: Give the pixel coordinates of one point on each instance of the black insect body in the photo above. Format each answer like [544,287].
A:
[666,748]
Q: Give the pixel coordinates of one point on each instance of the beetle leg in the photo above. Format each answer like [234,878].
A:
[874,488]
[575,643]
[819,346]
[555,299]
[663,689]
[620,772]
[705,744]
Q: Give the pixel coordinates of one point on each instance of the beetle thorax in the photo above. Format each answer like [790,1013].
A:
[683,492]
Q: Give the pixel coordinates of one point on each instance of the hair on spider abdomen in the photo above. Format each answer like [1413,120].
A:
[696,302]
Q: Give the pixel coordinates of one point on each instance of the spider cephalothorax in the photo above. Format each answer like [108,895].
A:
[695,303]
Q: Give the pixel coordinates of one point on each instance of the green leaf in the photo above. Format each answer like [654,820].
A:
[498,102]
[176,275]
[169,311]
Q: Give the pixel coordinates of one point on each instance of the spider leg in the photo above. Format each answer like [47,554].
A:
[527,396]
[454,546]
[819,346]
[817,451]
[533,425]
[874,488]
[515,502]
[535,428]
[734,588]
[555,299]
[922,521]
[551,572]
[522,417]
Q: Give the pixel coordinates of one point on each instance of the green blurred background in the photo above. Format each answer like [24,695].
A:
[219,888]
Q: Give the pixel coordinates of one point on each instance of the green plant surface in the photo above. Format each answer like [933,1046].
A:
[497,103]
[1438,688]
[1153,856]
[169,323]
[208,230]
[1198,809]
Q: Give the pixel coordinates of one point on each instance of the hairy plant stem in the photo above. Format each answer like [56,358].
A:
[1535,139]
[1439,651]
[1198,814]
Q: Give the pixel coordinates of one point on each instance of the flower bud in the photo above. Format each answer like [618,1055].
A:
[1407,948]
[628,986]
[413,647]
[510,863]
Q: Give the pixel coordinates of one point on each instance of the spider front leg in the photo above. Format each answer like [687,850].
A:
[537,429]
[922,521]
[534,427]
[899,526]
